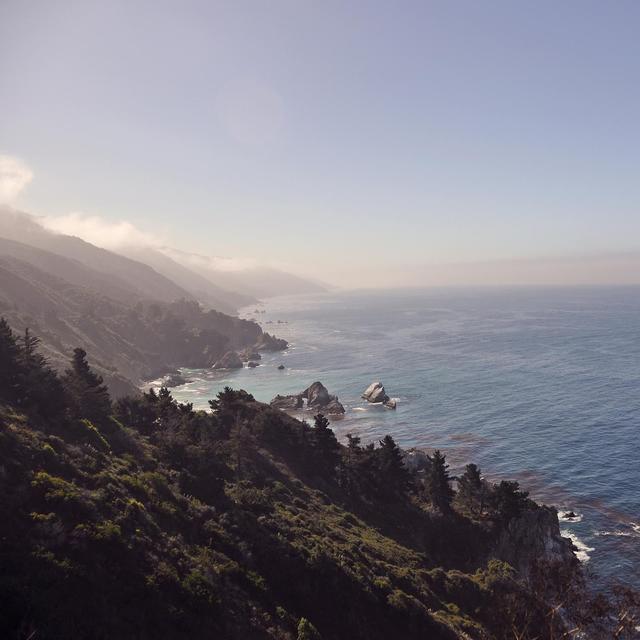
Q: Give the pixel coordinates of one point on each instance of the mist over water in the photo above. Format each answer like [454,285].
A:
[540,385]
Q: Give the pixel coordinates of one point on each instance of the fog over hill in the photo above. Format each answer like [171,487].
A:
[134,321]
[21,227]
[249,278]
[240,275]
[202,288]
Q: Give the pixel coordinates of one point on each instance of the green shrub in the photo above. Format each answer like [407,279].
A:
[306,631]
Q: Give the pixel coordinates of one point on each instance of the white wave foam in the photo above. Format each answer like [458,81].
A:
[617,534]
[359,408]
[582,550]
[562,516]
[635,526]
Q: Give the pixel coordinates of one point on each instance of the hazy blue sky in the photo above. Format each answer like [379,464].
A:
[354,134]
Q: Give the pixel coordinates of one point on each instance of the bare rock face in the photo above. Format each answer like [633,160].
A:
[288,403]
[267,342]
[249,355]
[317,399]
[174,380]
[230,360]
[316,395]
[376,394]
[534,537]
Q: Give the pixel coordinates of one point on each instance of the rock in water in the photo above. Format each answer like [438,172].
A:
[253,365]
[174,380]
[317,397]
[334,407]
[370,389]
[287,403]
[281,367]
[376,394]
[230,360]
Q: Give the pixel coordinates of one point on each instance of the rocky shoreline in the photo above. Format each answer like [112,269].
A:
[532,538]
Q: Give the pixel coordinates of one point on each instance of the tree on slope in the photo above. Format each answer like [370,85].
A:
[438,483]
[472,490]
[9,365]
[325,443]
[392,473]
[88,395]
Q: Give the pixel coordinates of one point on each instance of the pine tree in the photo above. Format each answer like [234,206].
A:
[9,364]
[471,490]
[325,444]
[40,391]
[88,395]
[508,501]
[437,483]
[393,475]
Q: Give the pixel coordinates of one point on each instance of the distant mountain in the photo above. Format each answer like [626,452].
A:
[73,271]
[256,281]
[136,276]
[129,340]
[201,287]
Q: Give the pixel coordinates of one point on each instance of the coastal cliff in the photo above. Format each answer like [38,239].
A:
[144,518]
[534,538]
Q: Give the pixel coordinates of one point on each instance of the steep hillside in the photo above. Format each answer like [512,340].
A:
[141,278]
[152,520]
[74,272]
[129,341]
[255,281]
[203,289]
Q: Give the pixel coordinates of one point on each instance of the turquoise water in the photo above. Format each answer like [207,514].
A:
[540,385]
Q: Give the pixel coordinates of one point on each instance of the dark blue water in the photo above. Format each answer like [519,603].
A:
[540,385]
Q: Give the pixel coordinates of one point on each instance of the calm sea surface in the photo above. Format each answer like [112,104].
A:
[538,385]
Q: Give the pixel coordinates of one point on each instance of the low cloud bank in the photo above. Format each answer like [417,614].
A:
[15,175]
[113,235]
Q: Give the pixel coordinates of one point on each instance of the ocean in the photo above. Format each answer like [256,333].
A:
[540,385]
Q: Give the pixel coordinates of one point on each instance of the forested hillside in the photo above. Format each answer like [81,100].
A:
[142,518]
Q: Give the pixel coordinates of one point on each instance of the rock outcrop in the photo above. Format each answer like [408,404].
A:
[288,403]
[532,538]
[230,360]
[174,380]
[315,398]
[249,354]
[375,394]
[267,342]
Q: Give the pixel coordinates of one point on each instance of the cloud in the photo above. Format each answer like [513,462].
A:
[15,175]
[214,264]
[119,234]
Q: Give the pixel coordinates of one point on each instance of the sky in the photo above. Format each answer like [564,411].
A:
[357,142]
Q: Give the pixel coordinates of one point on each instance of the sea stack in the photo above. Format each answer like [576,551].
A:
[376,394]
[317,399]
